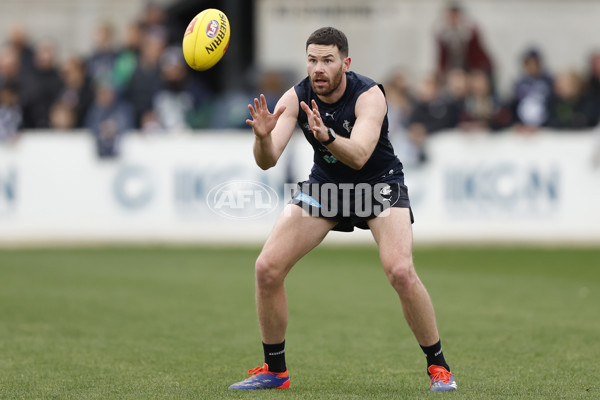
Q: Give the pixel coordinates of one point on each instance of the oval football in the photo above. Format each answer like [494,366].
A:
[206,39]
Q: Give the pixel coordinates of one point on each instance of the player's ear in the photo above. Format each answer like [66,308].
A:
[347,62]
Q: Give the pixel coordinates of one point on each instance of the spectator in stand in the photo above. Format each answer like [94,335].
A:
[431,114]
[78,93]
[400,105]
[482,111]
[109,119]
[45,87]
[459,44]
[592,90]
[531,94]
[101,62]
[400,99]
[454,92]
[567,106]
[18,78]
[62,116]
[19,41]
[272,85]
[10,112]
[154,19]
[182,102]
[230,110]
[10,66]
[153,16]
[432,109]
[150,125]
[127,58]
[146,80]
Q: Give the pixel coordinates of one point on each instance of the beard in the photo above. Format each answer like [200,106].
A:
[330,87]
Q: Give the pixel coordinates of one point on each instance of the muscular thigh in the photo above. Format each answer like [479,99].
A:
[295,233]
[393,233]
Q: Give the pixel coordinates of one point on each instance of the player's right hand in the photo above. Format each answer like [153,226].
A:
[263,122]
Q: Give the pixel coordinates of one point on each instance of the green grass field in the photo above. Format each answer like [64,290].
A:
[179,323]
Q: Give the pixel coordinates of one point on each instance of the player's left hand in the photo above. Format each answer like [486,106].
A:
[315,122]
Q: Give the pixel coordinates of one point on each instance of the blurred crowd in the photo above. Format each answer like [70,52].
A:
[462,93]
[143,83]
[140,83]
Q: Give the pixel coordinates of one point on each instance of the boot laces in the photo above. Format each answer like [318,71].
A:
[259,370]
[438,374]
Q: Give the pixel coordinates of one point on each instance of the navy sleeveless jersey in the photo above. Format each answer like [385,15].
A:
[340,116]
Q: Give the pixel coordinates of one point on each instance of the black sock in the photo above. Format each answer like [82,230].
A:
[435,355]
[275,356]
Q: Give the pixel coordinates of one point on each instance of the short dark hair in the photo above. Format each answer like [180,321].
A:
[329,36]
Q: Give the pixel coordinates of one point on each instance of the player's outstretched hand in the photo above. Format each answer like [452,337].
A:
[315,122]
[263,121]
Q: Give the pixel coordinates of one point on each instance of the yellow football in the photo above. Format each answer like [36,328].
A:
[206,39]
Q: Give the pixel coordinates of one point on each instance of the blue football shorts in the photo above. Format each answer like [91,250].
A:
[352,204]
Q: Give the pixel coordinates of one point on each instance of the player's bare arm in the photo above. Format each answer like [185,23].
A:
[272,131]
[354,151]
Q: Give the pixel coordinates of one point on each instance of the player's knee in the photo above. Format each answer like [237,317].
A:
[268,273]
[401,274]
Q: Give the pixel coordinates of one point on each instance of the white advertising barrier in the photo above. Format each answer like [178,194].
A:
[508,187]
[54,188]
[205,187]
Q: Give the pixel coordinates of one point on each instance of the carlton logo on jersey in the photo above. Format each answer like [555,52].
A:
[212,28]
[347,126]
